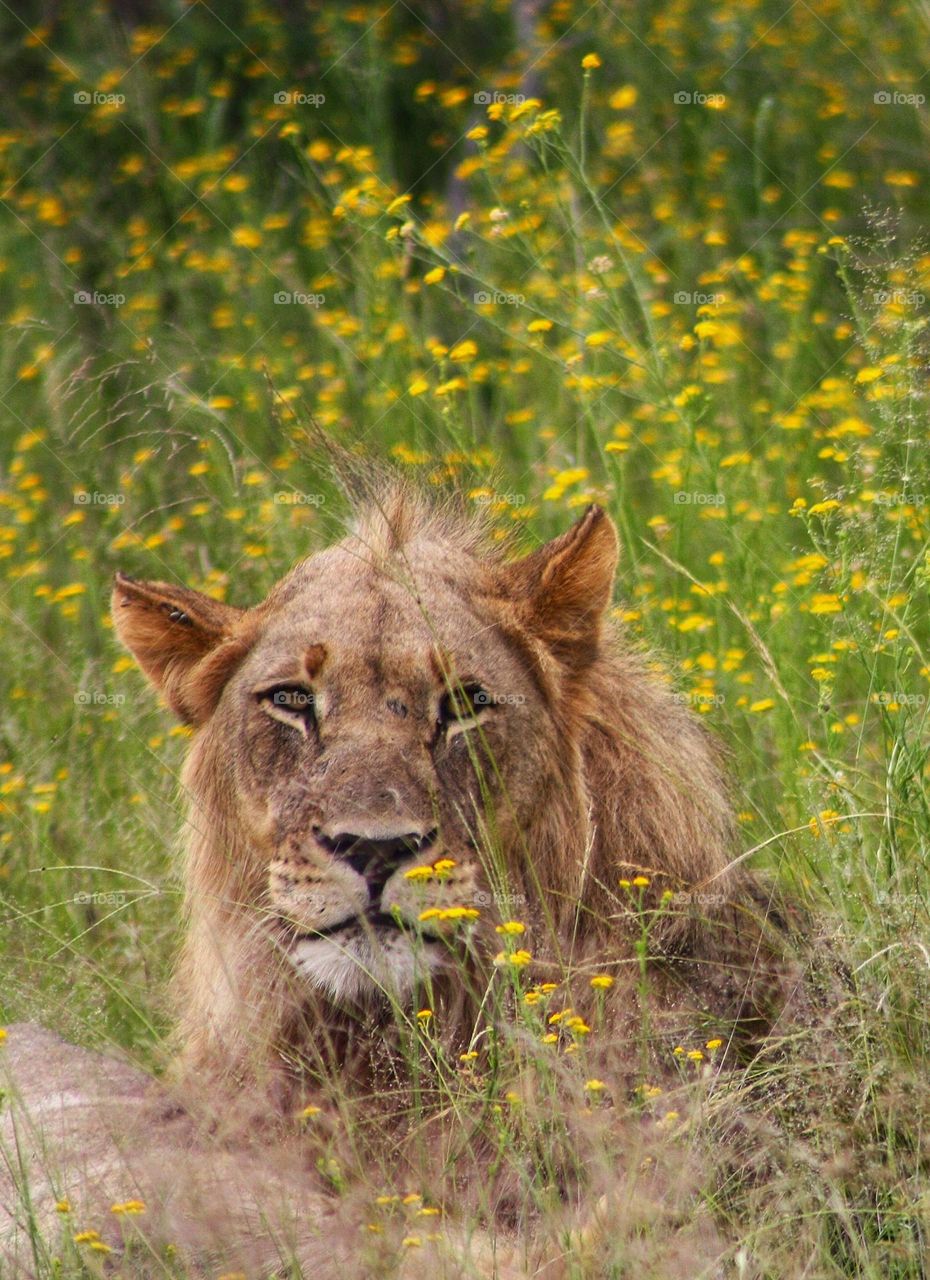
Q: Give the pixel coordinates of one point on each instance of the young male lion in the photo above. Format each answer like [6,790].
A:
[413,740]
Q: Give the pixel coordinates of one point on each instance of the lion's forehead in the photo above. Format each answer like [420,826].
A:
[390,620]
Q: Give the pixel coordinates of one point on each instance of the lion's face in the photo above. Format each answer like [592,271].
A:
[376,728]
[376,722]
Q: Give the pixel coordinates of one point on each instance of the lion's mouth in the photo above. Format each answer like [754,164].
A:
[372,919]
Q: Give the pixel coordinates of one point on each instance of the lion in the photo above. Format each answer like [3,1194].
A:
[418,751]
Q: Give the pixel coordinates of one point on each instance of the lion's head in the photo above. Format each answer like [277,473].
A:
[410,740]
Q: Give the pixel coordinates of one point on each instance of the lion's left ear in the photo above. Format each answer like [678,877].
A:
[566,586]
[186,643]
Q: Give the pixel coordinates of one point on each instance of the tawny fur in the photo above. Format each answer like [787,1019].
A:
[613,779]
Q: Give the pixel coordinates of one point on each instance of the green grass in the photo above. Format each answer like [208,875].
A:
[761,446]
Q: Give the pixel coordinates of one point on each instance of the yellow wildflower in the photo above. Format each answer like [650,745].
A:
[419,873]
[463,351]
[624,97]
[247,237]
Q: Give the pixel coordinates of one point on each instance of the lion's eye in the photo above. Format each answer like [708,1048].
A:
[463,705]
[291,703]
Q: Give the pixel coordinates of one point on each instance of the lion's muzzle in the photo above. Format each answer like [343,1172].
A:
[376,858]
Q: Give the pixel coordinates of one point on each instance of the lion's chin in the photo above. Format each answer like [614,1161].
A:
[357,965]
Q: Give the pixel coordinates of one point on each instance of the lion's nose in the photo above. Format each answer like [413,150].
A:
[376,858]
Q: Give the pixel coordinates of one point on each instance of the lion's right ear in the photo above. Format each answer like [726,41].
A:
[565,587]
[186,643]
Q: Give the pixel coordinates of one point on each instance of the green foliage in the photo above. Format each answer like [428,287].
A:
[685,280]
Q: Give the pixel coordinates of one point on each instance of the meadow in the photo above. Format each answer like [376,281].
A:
[669,258]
